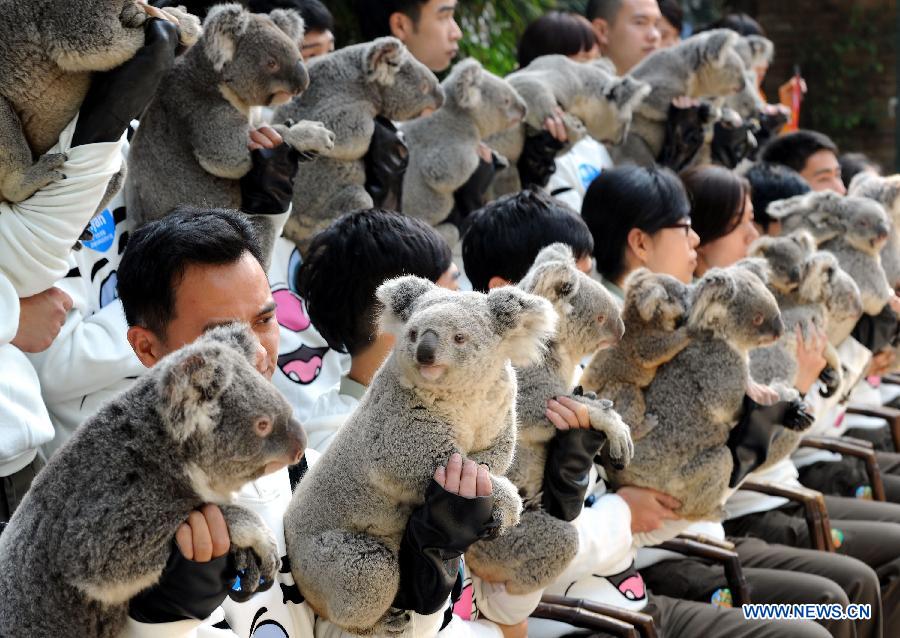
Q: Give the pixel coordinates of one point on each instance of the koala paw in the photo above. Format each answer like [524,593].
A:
[395,622]
[20,186]
[133,16]
[618,433]
[253,549]
[575,128]
[189,29]
[797,417]
[831,380]
[507,505]
[306,136]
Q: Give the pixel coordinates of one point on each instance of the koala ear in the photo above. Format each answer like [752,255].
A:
[466,83]
[238,336]
[717,46]
[383,60]
[710,295]
[645,292]
[761,49]
[289,21]
[555,252]
[805,240]
[524,322]
[398,297]
[759,267]
[759,247]
[224,24]
[552,280]
[627,93]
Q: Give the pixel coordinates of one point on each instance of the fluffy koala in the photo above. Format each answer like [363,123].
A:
[785,256]
[706,65]
[191,146]
[854,229]
[447,387]
[655,310]
[696,404]
[754,50]
[348,88]
[885,191]
[536,551]
[99,520]
[443,147]
[48,50]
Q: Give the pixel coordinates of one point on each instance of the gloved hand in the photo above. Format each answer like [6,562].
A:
[267,189]
[684,135]
[879,331]
[386,163]
[731,144]
[471,196]
[538,160]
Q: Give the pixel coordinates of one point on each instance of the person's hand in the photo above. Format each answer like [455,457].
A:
[762,394]
[881,363]
[810,358]
[649,508]
[514,631]
[264,137]
[204,536]
[568,414]
[685,102]
[555,125]
[464,479]
[155,12]
[41,317]
[894,303]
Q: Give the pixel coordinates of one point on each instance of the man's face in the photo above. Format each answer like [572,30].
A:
[823,172]
[212,295]
[669,35]
[433,39]
[316,43]
[632,35]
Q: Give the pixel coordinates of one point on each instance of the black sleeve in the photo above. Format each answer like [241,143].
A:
[570,455]
[684,135]
[877,332]
[268,187]
[385,163]
[537,163]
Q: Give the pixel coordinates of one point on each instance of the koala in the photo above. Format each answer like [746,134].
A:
[697,397]
[885,191]
[348,89]
[99,519]
[854,229]
[48,51]
[706,65]
[755,50]
[536,552]
[447,387]
[655,310]
[191,146]
[785,256]
[443,147]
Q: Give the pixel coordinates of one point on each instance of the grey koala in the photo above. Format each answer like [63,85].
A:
[348,88]
[706,65]
[447,387]
[854,229]
[785,256]
[99,519]
[443,147]
[697,397]
[191,146]
[885,191]
[655,310]
[534,553]
[755,50]
[48,51]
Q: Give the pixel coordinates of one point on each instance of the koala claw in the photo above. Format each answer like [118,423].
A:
[45,171]
[831,381]
[618,433]
[189,29]
[395,622]
[797,417]
[306,136]
[133,16]
[257,571]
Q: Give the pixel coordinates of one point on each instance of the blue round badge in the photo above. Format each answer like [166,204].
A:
[103,229]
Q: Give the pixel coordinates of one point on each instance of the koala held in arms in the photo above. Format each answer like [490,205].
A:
[534,553]
[99,520]
[885,191]
[447,387]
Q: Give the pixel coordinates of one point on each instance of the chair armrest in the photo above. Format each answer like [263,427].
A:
[813,507]
[890,415]
[728,558]
[703,538]
[891,379]
[642,622]
[583,619]
[858,448]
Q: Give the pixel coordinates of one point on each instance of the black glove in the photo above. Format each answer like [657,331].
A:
[877,332]
[118,96]
[268,187]
[770,124]
[386,163]
[731,144]
[684,135]
[537,163]
[437,534]
[570,456]
[471,196]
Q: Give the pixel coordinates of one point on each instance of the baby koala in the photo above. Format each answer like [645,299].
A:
[785,256]
[885,191]
[99,519]
[536,552]
[447,387]
[655,311]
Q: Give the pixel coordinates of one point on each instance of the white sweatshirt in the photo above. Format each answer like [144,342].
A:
[576,170]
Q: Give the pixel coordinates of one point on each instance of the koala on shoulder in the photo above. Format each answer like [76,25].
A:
[447,387]
[100,517]
[48,52]
[697,397]
[348,89]
[655,311]
[443,147]
[885,191]
[537,551]
[854,229]
[706,65]
[191,146]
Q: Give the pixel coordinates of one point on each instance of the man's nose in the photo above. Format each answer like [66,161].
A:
[261,361]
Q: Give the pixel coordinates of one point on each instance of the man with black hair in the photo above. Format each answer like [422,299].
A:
[318,23]
[810,153]
[627,30]
[670,23]
[770,183]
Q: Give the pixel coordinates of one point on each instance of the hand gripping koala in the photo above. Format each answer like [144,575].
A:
[348,89]
[99,520]
[443,147]
[655,311]
[48,50]
[537,551]
[191,146]
[706,65]
[885,191]
[447,387]
[854,229]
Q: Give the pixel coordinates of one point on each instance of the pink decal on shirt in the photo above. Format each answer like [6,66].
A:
[289,311]
[303,364]
[463,606]
[633,588]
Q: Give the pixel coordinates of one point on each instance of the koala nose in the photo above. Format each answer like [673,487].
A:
[438,97]
[426,349]
[795,275]
[617,329]
[777,324]
[300,77]
[297,437]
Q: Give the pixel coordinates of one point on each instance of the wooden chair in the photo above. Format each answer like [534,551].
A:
[586,614]
[718,551]
[890,415]
[852,447]
[813,508]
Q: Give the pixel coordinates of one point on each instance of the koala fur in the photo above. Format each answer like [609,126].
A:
[99,519]
[655,310]
[348,89]
[447,387]
[885,191]
[785,256]
[697,397]
[706,65]
[48,51]
[443,147]
[191,146]
[854,229]
[536,551]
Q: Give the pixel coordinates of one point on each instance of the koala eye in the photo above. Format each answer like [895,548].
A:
[459,338]
[758,319]
[262,427]
[272,64]
[413,335]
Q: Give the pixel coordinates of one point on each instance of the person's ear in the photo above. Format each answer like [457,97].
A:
[146,345]
[498,282]
[601,28]
[639,243]
[401,25]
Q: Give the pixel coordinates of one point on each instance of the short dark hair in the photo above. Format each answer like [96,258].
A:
[316,16]
[718,199]
[626,197]
[504,238]
[604,9]
[159,253]
[673,13]
[559,32]
[346,262]
[853,164]
[740,23]
[793,149]
[771,183]
[375,15]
